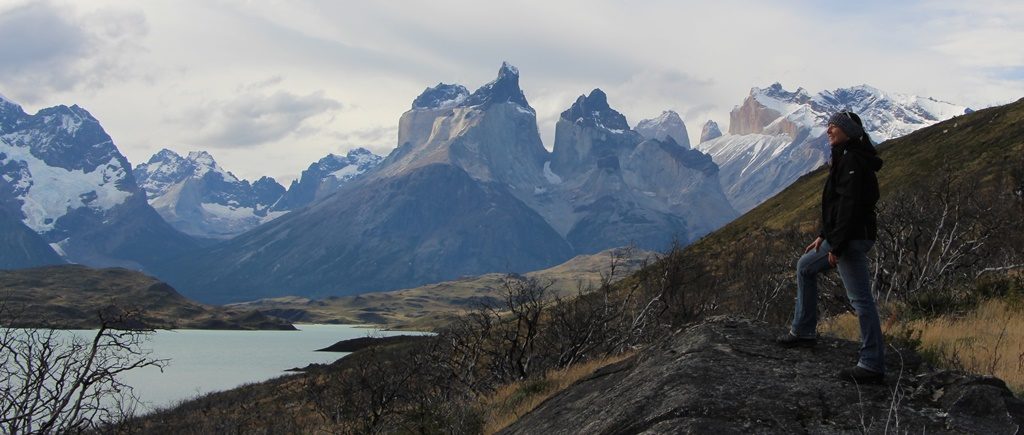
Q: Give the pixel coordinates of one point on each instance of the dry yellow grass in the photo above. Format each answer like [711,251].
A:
[988,340]
[514,400]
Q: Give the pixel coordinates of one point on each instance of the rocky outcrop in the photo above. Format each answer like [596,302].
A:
[764,106]
[666,125]
[726,375]
[751,117]
[710,131]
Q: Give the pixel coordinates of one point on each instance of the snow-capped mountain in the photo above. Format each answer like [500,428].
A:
[776,135]
[710,131]
[198,197]
[62,177]
[471,189]
[325,176]
[668,124]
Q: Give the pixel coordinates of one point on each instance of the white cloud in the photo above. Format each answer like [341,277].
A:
[254,119]
[47,48]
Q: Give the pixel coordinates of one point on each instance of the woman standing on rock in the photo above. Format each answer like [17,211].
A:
[848,232]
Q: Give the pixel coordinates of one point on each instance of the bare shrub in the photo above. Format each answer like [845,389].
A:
[55,382]
[933,240]
[602,321]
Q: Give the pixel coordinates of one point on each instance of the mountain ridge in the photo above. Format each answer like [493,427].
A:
[776,135]
[63,177]
[485,150]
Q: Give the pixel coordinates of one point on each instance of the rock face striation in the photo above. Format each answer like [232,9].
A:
[62,178]
[469,190]
[726,375]
[776,135]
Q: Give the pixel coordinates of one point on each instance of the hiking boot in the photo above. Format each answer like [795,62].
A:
[861,375]
[790,340]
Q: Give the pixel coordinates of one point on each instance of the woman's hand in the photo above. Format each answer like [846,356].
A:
[833,260]
[815,245]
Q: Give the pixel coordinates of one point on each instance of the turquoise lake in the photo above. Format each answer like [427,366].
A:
[204,361]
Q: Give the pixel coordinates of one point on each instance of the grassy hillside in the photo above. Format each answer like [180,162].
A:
[73,296]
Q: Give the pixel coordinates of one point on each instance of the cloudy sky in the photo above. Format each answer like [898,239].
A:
[269,86]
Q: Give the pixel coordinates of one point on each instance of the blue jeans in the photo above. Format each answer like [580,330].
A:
[856,275]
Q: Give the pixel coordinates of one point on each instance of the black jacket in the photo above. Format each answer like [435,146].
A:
[850,194]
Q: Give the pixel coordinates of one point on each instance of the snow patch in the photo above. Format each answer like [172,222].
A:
[272,215]
[204,163]
[51,192]
[70,124]
[783,107]
[59,249]
[552,177]
[228,212]
[522,109]
[346,172]
[452,102]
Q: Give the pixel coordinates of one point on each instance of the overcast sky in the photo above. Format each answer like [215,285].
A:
[267,87]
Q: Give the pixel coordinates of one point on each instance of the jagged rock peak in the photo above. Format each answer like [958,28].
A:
[202,157]
[710,131]
[593,110]
[269,188]
[441,96]
[265,180]
[776,91]
[503,89]
[666,125]
[360,157]
[360,152]
[168,167]
[164,155]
